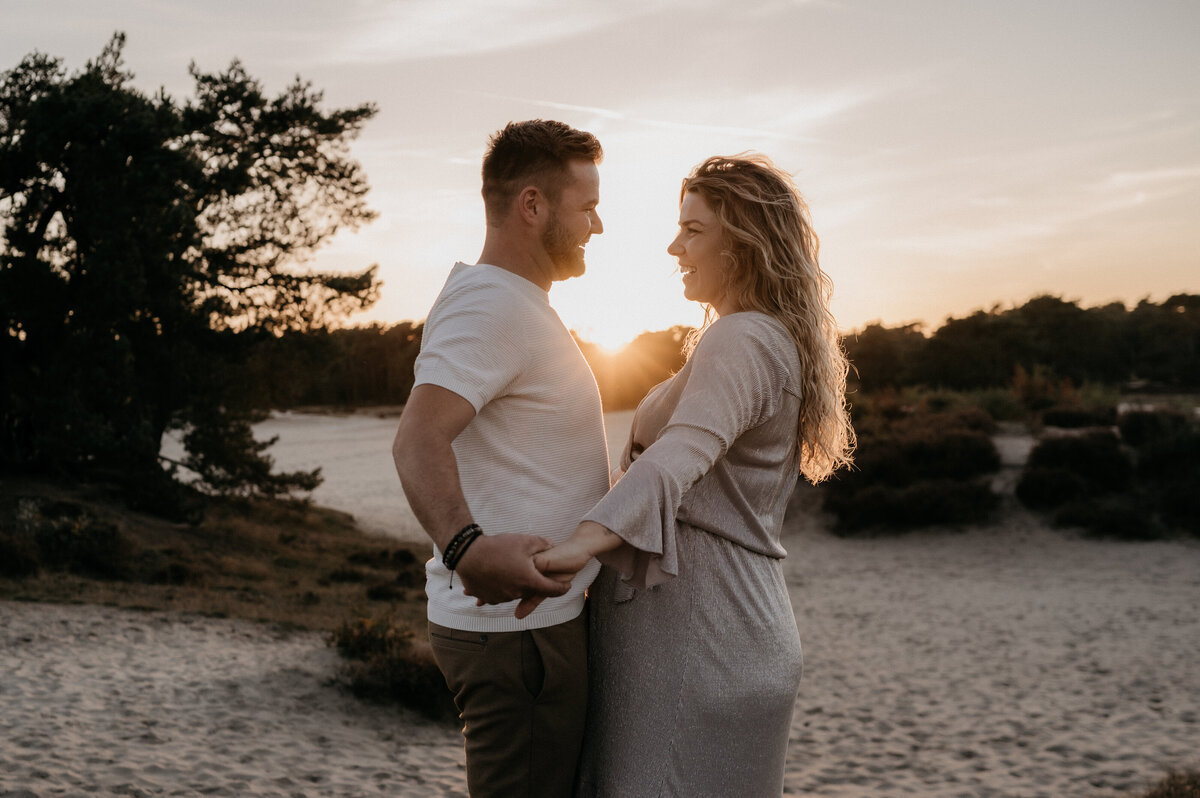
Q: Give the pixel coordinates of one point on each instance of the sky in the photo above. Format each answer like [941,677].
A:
[955,154]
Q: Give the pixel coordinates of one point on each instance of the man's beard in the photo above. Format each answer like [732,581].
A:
[564,252]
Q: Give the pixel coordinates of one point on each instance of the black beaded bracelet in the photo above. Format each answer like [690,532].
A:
[458,544]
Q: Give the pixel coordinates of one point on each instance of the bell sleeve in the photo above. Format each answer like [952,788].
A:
[733,382]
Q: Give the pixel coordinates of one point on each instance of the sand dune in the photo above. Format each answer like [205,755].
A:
[1012,661]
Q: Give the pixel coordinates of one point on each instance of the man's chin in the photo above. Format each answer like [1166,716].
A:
[572,268]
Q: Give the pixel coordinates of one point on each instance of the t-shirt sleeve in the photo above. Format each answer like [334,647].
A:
[735,381]
[472,344]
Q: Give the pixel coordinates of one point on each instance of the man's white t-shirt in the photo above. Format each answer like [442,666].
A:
[534,458]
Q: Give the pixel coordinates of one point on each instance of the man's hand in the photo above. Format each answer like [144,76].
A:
[559,563]
[499,568]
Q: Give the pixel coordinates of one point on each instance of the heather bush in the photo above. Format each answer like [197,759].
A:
[916,467]
[924,503]
[1042,488]
[1180,504]
[1096,457]
[1141,427]
[385,665]
[1176,785]
[1073,417]
[999,403]
[18,555]
[1121,516]
[1169,468]
[60,535]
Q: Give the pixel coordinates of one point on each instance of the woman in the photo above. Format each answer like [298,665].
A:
[695,658]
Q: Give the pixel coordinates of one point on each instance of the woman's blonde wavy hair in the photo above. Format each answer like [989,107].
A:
[772,251]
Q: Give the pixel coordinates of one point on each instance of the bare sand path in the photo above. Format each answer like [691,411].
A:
[98,701]
[1003,661]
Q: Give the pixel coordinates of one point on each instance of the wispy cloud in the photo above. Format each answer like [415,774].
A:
[632,119]
[783,113]
[1186,175]
[416,29]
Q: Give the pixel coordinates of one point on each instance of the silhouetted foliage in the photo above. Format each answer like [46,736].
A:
[1122,516]
[1049,343]
[147,244]
[1078,418]
[1096,457]
[915,467]
[883,357]
[1141,427]
[1136,487]
[373,365]
[1045,488]
[1176,785]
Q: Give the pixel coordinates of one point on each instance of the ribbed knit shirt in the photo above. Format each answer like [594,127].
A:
[534,458]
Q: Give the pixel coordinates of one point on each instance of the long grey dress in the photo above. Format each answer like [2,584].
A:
[694,655]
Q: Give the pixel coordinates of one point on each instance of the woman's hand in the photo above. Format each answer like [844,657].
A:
[563,561]
[567,558]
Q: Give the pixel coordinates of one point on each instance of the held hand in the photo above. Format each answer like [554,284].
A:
[499,568]
[559,562]
[567,558]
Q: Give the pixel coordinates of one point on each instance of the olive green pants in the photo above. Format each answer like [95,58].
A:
[522,697]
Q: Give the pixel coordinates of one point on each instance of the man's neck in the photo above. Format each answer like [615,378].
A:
[515,259]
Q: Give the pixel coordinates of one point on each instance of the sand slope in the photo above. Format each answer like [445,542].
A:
[1006,661]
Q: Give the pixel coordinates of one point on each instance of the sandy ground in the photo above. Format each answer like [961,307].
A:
[1010,660]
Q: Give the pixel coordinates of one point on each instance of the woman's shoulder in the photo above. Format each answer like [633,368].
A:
[746,329]
[751,344]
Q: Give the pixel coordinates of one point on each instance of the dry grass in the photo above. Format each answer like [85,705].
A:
[283,563]
[1176,785]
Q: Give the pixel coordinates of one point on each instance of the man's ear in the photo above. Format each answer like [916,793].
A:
[531,204]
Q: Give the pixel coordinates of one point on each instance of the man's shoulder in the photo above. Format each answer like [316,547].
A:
[478,295]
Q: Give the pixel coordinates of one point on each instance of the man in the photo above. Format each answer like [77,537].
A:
[501,451]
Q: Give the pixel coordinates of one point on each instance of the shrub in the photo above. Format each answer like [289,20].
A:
[1170,456]
[1176,785]
[18,555]
[1180,504]
[386,666]
[1096,457]
[1140,427]
[69,537]
[1120,517]
[1078,418]
[915,453]
[920,504]
[1043,488]
[999,403]
[917,467]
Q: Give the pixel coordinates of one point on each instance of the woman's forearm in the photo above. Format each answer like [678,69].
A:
[595,537]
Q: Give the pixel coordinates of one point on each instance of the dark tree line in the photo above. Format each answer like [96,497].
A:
[1154,345]
[148,244]
[373,366]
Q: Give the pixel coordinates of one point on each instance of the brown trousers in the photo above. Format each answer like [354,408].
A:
[522,697]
